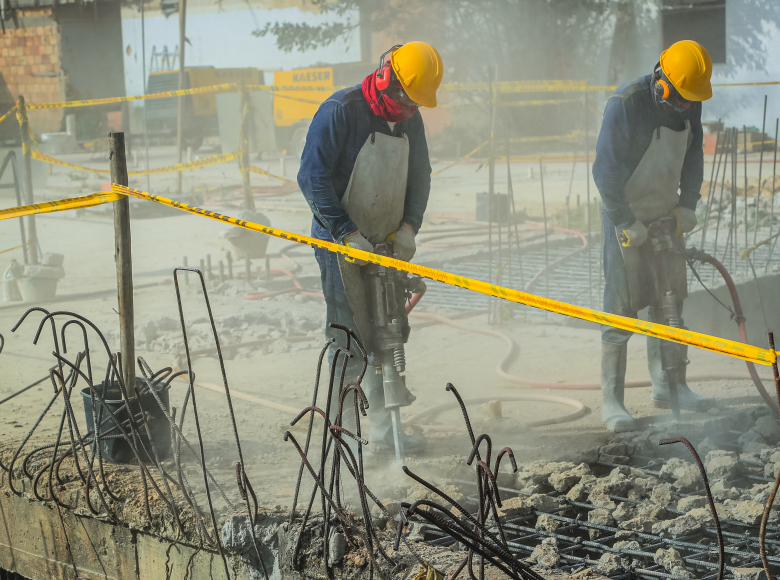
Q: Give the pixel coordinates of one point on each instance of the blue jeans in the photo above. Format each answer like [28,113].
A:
[337,306]
[617,299]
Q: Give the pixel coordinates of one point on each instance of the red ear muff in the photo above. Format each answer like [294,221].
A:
[383,77]
[662,89]
[384,73]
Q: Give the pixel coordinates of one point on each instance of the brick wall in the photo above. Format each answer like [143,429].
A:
[30,66]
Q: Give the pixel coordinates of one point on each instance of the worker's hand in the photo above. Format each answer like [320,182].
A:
[634,236]
[357,241]
[686,220]
[403,242]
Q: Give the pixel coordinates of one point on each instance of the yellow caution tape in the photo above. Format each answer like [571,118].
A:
[223,88]
[54,161]
[98,143]
[197,164]
[711,343]
[571,136]
[761,84]
[542,86]
[59,205]
[562,158]
[563,86]
[258,170]
[7,114]
[539,103]
[539,86]
[12,249]
[715,344]
[532,103]
[300,100]
[466,156]
[87,103]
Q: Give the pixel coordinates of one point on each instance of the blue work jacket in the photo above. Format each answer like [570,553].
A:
[631,119]
[337,132]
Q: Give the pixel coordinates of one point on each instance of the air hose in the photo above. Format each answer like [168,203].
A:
[700,256]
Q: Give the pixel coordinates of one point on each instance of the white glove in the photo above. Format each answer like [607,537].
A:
[357,241]
[686,220]
[634,236]
[404,245]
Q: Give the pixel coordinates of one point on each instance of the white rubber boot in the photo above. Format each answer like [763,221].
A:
[613,381]
[661,398]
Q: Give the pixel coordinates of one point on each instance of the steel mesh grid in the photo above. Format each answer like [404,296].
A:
[698,549]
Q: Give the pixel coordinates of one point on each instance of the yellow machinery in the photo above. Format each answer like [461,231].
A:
[200,111]
[293,109]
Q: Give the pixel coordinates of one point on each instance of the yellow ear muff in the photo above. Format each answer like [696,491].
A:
[662,89]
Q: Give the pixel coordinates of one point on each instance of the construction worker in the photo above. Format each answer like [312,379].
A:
[649,147]
[365,173]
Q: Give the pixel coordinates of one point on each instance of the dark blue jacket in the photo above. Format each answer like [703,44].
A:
[630,121]
[337,132]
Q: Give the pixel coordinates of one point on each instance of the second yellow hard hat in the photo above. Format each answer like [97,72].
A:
[688,66]
[419,68]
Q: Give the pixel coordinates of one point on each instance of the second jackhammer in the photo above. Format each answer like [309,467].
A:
[659,250]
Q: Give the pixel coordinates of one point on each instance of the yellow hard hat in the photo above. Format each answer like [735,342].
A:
[419,68]
[688,66]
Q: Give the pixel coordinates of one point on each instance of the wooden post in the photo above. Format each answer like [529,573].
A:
[32,233]
[180,116]
[587,195]
[124,261]
[491,183]
[230,265]
[246,117]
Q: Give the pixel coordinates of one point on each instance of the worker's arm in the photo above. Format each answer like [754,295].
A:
[610,171]
[325,142]
[693,167]
[418,184]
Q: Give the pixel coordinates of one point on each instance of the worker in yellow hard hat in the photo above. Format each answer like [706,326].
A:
[648,150]
[365,173]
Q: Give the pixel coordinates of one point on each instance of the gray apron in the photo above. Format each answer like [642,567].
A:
[374,199]
[652,194]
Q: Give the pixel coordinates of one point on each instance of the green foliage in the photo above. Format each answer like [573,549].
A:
[302,37]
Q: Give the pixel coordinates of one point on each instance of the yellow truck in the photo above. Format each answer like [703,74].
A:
[293,109]
[200,111]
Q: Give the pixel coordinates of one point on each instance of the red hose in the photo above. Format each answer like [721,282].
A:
[414,300]
[706,258]
[297,290]
[511,351]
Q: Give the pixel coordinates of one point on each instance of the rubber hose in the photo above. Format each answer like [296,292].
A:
[512,349]
[706,258]
[580,409]
[559,261]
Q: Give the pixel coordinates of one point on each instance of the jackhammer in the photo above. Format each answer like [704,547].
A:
[658,250]
[391,296]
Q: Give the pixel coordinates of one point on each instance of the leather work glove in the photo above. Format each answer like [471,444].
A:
[403,242]
[686,220]
[633,236]
[357,241]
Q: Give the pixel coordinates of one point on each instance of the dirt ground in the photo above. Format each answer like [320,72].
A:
[282,371]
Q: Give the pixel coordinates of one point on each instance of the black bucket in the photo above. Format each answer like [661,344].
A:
[117,449]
